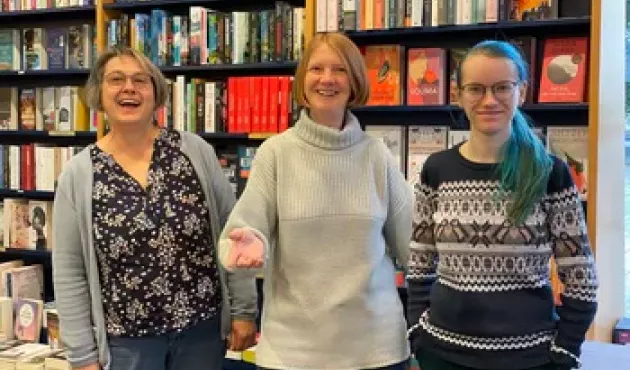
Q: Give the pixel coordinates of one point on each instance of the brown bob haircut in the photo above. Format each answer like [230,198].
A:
[352,60]
[95,80]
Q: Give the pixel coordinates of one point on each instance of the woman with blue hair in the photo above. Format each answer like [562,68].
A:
[489,214]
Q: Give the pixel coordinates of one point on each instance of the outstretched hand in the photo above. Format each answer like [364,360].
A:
[247,250]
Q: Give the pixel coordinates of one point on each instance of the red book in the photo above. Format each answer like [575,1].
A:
[27,167]
[255,93]
[264,115]
[231,93]
[564,70]
[274,92]
[426,76]
[247,105]
[283,121]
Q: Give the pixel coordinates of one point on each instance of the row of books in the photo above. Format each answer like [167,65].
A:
[411,145]
[60,108]
[204,36]
[54,48]
[430,73]
[361,15]
[21,5]
[33,167]
[259,104]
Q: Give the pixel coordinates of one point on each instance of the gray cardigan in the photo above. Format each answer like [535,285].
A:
[75,269]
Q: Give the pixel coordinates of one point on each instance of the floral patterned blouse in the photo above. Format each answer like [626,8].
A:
[155,254]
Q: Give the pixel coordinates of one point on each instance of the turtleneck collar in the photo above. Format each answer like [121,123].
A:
[326,137]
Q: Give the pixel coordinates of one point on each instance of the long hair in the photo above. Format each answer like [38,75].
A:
[525,164]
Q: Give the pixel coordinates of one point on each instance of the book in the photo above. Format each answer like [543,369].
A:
[28,319]
[384,67]
[564,70]
[426,76]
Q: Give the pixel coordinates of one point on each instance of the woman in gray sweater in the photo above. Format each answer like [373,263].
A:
[323,206]
[138,217]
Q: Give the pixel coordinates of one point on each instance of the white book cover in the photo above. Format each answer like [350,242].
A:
[571,145]
[456,137]
[392,137]
[422,142]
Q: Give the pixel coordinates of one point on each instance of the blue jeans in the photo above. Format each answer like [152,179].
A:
[199,347]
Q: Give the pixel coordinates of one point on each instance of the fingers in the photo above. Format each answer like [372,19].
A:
[243,260]
[236,234]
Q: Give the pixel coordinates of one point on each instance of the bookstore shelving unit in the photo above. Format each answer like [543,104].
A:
[53,17]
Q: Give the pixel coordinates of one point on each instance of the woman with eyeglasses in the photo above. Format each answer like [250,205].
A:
[138,214]
[489,214]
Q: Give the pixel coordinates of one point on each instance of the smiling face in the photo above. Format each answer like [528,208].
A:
[127,94]
[490,91]
[326,83]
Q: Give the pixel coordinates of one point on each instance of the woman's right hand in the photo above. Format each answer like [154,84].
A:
[247,250]
[94,366]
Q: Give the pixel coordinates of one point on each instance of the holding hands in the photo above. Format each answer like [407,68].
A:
[247,250]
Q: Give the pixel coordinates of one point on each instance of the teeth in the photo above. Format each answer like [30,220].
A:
[126,101]
[326,92]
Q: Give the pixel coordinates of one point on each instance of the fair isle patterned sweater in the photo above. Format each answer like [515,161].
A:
[479,287]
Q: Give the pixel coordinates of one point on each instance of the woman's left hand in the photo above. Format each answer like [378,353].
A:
[242,335]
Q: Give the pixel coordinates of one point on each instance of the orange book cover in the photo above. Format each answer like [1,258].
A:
[563,73]
[529,10]
[426,82]
[384,65]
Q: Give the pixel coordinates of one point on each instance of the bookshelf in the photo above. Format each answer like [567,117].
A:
[20,17]
[35,195]
[541,114]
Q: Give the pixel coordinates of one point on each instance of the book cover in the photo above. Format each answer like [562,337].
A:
[531,10]
[77,53]
[527,47]
[571,145]
[426,83]
[27,109]
[8,49]
[393,137]
[423,141]
[28,319]
[384,73]
[40,229]
[456,56]
[564,70]
[56,47]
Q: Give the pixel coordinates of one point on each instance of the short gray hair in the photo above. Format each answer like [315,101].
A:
[95,80]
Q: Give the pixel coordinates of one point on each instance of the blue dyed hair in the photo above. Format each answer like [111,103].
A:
[525,164]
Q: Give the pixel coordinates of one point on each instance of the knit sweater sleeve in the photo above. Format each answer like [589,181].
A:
[397,228]
[576,266]
[423,258]
[256,208]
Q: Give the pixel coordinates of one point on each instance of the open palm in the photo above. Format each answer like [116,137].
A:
[247,250]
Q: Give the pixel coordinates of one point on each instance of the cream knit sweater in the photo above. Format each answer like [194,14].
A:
[330,206]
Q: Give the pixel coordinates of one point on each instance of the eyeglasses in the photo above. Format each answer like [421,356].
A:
[140,81]
[502,91]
